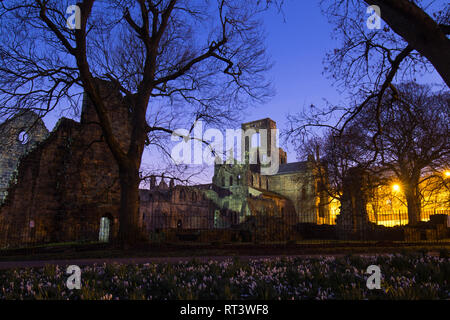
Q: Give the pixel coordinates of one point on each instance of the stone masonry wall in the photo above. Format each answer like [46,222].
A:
[18,136]
[69,182]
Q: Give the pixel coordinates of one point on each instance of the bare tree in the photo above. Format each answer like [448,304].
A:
[336,155]
[414,142]
[411,147]
[415,26]
[209,54]
[369,61]
[424,34]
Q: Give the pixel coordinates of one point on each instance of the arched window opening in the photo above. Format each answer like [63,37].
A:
[247,144]
[105,224]
[231,181]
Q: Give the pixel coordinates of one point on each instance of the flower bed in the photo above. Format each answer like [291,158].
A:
[403,277]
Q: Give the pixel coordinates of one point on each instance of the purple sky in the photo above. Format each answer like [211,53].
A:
[297,45]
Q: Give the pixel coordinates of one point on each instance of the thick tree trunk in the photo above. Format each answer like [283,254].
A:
[130,229]
[417,28]
[414,205]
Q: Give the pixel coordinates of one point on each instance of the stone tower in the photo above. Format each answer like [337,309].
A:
[19,135]
[262,128]
[67,187]
[266,156]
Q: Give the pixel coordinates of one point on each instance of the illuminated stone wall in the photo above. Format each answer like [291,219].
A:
[293,189]
[299,186]
[18,136]
[69,181]
[176,207]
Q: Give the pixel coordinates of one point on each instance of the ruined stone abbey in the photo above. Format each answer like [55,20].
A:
[56,186]
[238,191]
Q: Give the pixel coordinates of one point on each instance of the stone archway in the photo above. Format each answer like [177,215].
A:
[104,234]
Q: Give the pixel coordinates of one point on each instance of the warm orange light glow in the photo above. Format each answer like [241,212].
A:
[447,174]
[396,187]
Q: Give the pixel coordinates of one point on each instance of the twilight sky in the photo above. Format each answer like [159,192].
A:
[297,45]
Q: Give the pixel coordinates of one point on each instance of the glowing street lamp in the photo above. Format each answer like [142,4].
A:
[396,187]
[447,174]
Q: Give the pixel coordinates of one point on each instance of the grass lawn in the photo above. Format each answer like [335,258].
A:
[188,249]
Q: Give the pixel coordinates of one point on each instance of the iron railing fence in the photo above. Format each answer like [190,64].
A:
[232,228]
[400,217]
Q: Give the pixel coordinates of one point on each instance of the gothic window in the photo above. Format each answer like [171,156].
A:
[267,184]
[182,195]
[247,144]
[194,197]
[104,229]
[239,179]
[251,180]
[231,181]
[259,182]
[179,224]
[223,181]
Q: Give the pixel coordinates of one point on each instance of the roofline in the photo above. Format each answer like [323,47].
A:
[19,115]
[257,121]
